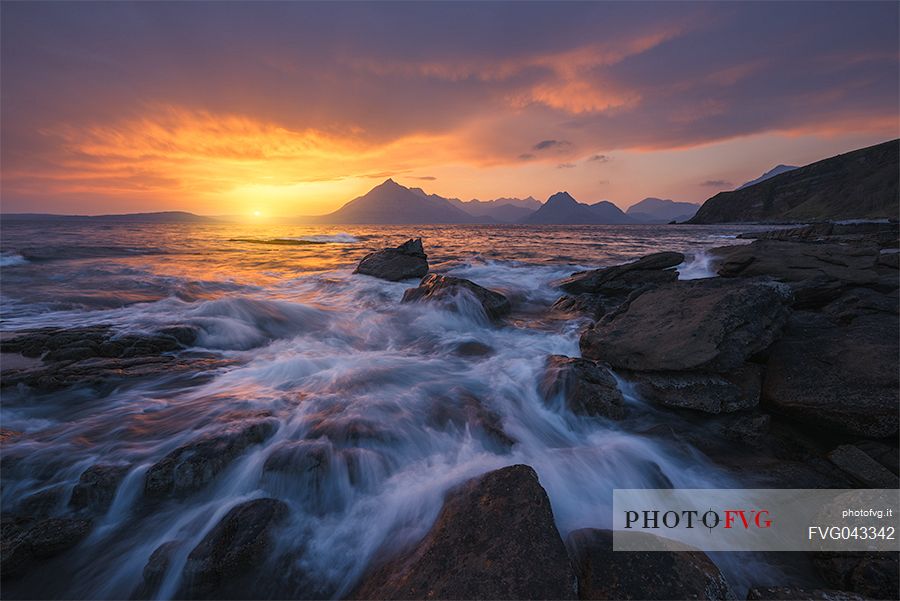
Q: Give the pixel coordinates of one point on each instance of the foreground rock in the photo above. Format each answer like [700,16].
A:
[586,387]
[73,344]
[236,545]
[394,264]
[195,464]
[607,574]
[623,279]
[443,287]
[843,377]
[494,539]
[863,468]
[792,593]
[709,392]
[24,542]
[709,325]
[97,486]
[872,575]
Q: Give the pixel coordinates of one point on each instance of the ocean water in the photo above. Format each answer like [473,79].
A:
[321,349]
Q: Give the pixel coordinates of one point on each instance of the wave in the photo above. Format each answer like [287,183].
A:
[341,238]
[12,260]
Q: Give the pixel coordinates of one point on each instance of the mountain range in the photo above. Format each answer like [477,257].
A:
[776,170]
[661,210]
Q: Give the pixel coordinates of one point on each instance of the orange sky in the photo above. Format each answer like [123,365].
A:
[295,108]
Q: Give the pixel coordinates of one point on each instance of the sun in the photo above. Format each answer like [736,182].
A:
[257,213]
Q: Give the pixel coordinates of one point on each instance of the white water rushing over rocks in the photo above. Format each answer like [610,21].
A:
[321,350]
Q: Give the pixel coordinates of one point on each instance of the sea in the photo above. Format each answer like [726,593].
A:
[306,341]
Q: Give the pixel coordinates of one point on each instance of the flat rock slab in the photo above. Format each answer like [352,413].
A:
[709,325]
[618,279]
[394,264]
[861,467]
[707,392]
[494,539]
[607,574]
[841,376]
[443,287]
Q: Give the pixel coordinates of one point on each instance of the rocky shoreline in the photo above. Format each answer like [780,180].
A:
[783,370]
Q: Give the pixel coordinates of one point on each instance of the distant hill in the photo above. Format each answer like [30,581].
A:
[661,210]
[160,217]
[391,203]
[777,170]
[863,184]
[507,210]
[562,209]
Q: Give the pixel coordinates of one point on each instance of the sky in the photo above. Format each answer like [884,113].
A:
[293,108]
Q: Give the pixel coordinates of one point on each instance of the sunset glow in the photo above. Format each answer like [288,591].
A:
[296,122]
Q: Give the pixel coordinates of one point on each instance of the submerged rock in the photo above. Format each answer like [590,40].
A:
[622,279]
[195,464]
[843,377]
[710,325]
[587,388]
[97,487]
[23,542]
[709,392]
[236,545]
[468,411]
[437,287]
[493,539]
[607,574]
[394,264]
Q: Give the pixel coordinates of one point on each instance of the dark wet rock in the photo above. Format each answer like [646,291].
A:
[858,302]
[467,410]
[890,260]
[710,325]
[884,454]
[747,428]
[843,377]
[43,503]
[394,264]
[473,348]
[853,265]
[195,464]
[156,567]
[793,593]
[236,545]
[437,287]
[312,461]
[350,430]
[709,392]
[24,542]
[75,344]
[589,305]
[494,539]
[97,487]
[862,468]
[873,575]
[586,387]
[607,574]
[622,279]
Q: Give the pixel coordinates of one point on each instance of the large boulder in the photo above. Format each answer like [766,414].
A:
[840,376]
[709,325]
[195,464]
[97,487]
[394,264]
[622,279]
[236,545]
[24,542]
[870,574]
[709,392]
[852,264]
[607,574]
[440,287]
[586,387]
[494,539]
